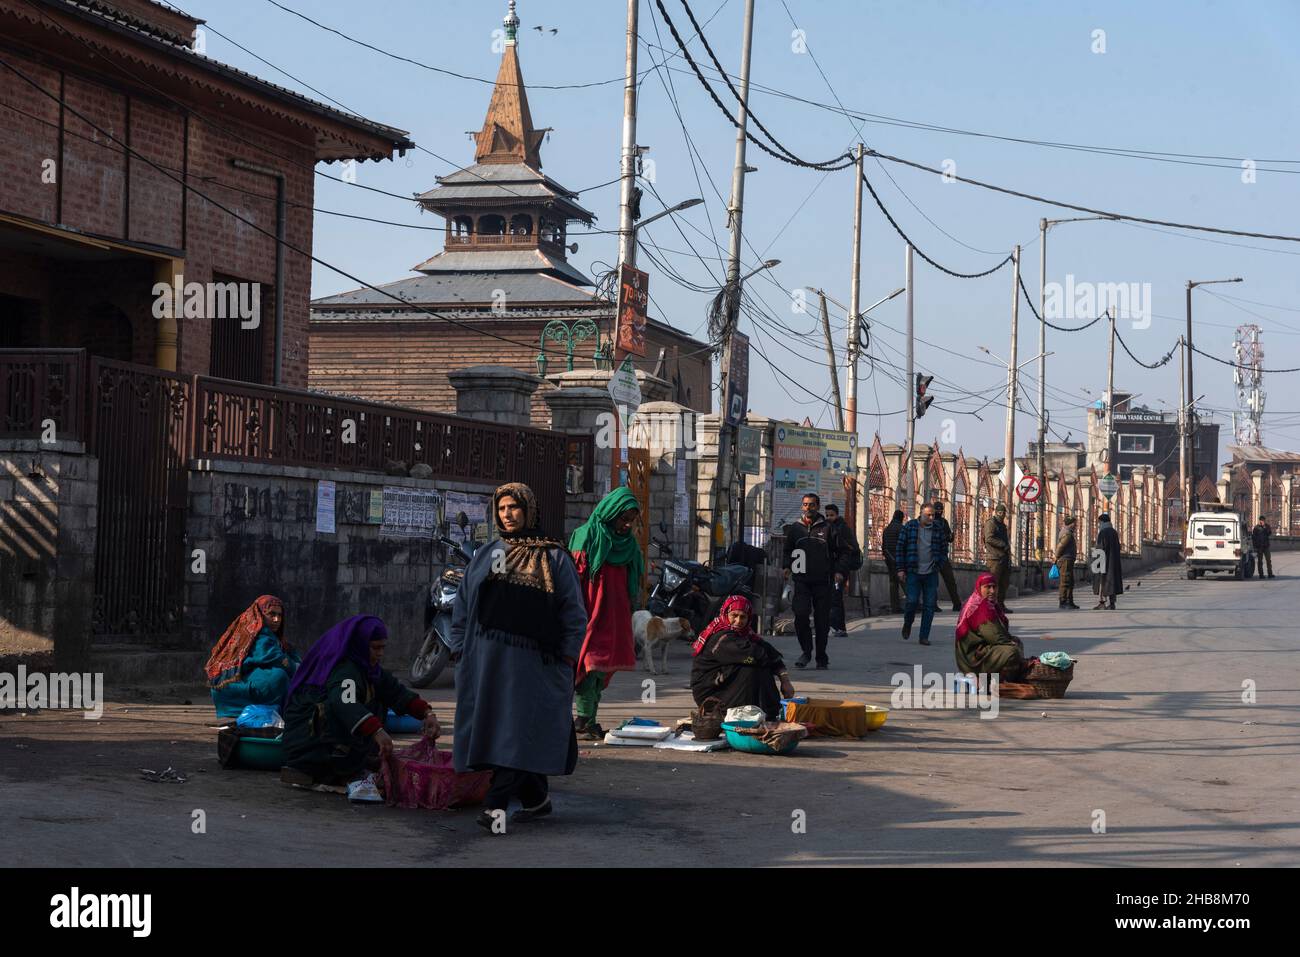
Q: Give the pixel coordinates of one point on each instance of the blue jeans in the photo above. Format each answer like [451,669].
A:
[922,590]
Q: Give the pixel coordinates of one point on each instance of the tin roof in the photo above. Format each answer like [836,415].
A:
[457,288]
[470,262]
[1258,453]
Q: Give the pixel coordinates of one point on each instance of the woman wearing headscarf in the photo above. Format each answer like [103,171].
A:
[984,645]
[611,567]
[516,630]
[334,718]
[732,663]
[251,664]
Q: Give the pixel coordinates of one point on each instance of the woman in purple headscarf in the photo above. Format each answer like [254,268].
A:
[334,717]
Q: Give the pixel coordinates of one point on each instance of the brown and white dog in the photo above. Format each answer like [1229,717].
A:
[652,634]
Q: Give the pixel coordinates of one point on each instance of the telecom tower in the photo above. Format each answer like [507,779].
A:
[1248,376]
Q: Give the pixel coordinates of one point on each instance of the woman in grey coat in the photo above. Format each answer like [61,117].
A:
[517,628]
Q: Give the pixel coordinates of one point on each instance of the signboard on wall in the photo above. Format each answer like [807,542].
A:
[749,446]
[633,296]
[808,460]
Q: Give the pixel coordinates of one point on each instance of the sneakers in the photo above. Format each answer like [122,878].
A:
[906,634]
[802,661]
[840,633]
[588,730]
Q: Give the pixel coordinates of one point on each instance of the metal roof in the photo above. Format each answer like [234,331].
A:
[466,261]
[1258,453]
[455,288]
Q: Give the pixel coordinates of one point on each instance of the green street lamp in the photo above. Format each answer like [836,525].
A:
[568,333]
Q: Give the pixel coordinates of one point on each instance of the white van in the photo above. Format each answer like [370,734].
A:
[1217,542]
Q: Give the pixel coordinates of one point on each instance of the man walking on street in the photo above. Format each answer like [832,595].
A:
[997,553]
[945,568]
[1261,537]
[922,547]
[850,561]
[889,547]
[811,558]
[1066,550]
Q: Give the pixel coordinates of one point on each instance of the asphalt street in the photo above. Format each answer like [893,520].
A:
[1158,740]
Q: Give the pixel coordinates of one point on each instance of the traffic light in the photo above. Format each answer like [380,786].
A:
[922,400]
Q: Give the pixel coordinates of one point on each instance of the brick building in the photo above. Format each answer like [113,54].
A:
[107,114]
[502,278]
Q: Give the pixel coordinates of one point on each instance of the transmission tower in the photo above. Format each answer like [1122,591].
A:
[1248,377]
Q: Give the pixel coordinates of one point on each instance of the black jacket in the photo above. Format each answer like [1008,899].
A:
[889,540]
[820,545]
[1260,537]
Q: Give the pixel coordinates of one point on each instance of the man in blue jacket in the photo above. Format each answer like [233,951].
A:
[922,548]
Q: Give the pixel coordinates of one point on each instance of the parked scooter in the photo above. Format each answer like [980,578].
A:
[693,590]
[434,653]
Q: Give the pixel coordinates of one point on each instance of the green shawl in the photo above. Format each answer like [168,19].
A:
[601,545]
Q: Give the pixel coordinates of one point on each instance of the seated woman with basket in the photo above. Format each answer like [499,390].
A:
[984,645]
[733,664]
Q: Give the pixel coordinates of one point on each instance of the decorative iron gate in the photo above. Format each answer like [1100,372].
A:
[139,431]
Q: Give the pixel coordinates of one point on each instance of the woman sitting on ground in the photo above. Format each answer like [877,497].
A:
[736,666]
[334,719]
[984,645]
[251,664]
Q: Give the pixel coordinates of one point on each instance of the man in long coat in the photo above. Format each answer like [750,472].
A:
[1108,578]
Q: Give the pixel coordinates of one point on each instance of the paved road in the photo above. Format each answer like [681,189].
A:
[1154,733]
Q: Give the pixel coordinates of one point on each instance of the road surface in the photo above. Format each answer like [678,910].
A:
[1154,734]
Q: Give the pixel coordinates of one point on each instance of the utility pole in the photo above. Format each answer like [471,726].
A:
[627,161]
[855,318]
[1041,467]
[1191,414]
[722,486]
[911,383]
[1182,428]
[1012,371]
[830,363]
[1110,399]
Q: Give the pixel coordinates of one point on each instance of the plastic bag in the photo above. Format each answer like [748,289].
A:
[1054,574]
[746,713]
[260,716]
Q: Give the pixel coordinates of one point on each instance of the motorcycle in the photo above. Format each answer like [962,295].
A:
[434,654]
[693,590]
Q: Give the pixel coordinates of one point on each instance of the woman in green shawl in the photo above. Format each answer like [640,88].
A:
[611,567]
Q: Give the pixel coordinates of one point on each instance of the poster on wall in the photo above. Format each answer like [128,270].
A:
[808,460]
[411,512]
[325,507]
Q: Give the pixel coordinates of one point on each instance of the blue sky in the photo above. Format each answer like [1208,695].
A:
[1210,78]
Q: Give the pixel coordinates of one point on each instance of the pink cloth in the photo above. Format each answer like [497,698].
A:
[422,776]
[979,609]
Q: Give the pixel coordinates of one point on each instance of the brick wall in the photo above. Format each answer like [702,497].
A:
[407,363]
[47,552]
[106,192]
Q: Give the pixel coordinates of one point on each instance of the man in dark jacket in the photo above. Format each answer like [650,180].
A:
[811,558]
[1261,537]
[997,552]
[945,570]
[1107,571]
[1066,552]
[889,546]
[850,561]
[922,548]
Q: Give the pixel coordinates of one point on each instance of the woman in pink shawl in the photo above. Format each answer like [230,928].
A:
[984,646]
[731,662]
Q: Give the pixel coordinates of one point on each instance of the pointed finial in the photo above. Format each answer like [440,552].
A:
[511,22]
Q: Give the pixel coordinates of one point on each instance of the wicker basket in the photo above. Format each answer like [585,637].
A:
[1049,682]
[706,724]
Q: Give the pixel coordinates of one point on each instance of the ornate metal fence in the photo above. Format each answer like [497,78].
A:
[39,387]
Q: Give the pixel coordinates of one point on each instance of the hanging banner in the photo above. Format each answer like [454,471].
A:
[737,379]
[808,460]
[633,297]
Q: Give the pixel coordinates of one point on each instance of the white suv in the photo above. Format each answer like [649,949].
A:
[1217,542]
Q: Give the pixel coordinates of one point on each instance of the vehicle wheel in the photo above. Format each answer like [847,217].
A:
[1191,575]
[1250,566]
[431,659]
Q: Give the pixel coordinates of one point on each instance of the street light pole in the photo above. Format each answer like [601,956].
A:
[1010,459]
[851,419]
[626,237]
[910,385]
